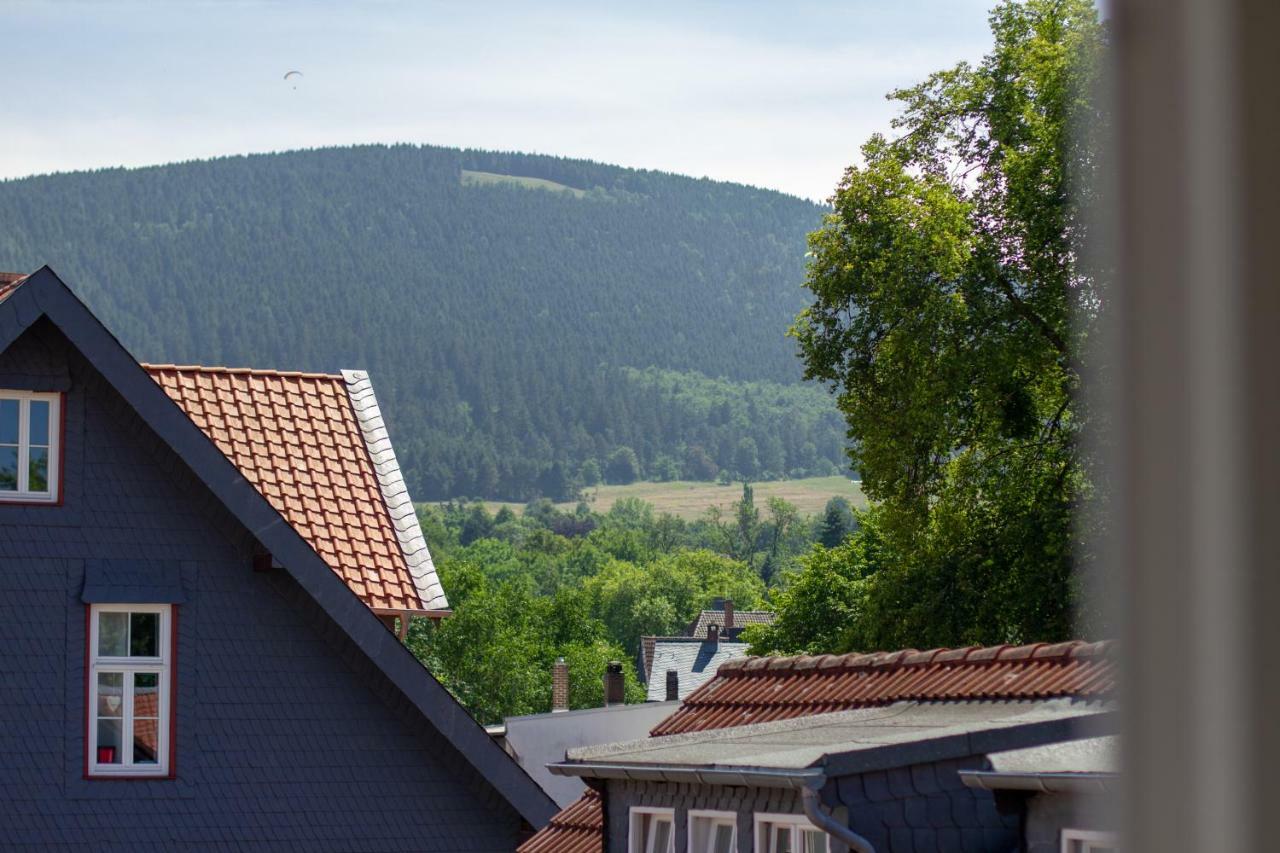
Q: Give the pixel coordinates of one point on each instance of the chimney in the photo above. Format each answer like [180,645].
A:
[613,691]
[673,685]
[713,633]
[728,614]
[559,686]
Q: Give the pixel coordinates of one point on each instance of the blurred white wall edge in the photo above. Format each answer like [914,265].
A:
[1196,519]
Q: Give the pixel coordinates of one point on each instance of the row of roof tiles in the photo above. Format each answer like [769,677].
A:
[755,690]
[579,828]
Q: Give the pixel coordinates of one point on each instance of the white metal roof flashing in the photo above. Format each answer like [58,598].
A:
[394,492]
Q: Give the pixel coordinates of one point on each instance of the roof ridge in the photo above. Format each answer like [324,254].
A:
[914,658]
[245,371]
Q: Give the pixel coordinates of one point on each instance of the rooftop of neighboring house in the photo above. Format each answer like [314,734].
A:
[536,740]
[754,690]
[694,661]
[1086,765]
[790,752]
[316,447]
[748,692]
[576,829]
[719,617]
[728,621]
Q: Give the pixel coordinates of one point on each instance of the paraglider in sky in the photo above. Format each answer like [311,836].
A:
[289,74]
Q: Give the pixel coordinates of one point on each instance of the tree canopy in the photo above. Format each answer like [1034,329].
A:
[950,314]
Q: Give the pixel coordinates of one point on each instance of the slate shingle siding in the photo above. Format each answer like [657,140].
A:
[287,737]
[925,807]
[914,809]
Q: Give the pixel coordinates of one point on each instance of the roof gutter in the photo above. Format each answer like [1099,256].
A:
[756,777]
[808,781]
[1044,783]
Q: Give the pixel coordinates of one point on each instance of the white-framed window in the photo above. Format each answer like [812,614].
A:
[30,429]
[712,831]
[788,833]
[1089,841]
[652,830]
[129,689]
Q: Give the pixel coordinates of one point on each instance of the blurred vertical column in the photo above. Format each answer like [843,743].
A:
[1198,356]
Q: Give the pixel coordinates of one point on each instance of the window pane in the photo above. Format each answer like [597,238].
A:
[8,468]
[661,835]
[109,742]
[113,634]
[38,470]
[722,842]
[39,431]
[110,694]
[146,694]
[8,421]
[146,742]
[781,840]
[814,841]
[144,635]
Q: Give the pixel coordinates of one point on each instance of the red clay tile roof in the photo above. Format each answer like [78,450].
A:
[9,282]
[579,828]
[296,437]
[757,690]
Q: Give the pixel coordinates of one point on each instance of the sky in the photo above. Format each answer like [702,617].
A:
[774,94]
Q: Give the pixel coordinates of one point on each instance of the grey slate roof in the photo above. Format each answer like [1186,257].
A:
[394,492]
[843,743]
[537,740]
[43,294]
[741,618]
[695,660]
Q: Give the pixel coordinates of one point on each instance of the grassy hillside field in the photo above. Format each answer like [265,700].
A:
[689,500]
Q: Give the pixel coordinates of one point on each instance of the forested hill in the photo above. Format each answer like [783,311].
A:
[520,315]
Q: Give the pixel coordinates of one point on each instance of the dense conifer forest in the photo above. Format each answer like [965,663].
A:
[524,337]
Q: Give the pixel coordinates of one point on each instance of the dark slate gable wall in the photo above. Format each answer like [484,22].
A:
[923,808]
[287,737]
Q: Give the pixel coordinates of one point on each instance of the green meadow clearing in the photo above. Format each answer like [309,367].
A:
[690,500]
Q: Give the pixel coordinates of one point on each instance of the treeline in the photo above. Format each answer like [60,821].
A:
[619,425]
[508,331]
[528,588]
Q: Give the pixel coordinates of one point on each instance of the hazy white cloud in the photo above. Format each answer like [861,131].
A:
[772,94]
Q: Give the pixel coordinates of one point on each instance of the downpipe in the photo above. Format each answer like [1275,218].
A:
[837,830]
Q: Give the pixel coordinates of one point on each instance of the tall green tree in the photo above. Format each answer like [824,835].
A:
[836,523]
[950,313]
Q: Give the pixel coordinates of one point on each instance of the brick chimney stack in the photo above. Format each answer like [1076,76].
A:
[614,694]
[673,685]
[559,686]
[713,633]
[728,614]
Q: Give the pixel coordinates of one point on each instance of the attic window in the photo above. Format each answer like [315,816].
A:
[130,681]
[29,453]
